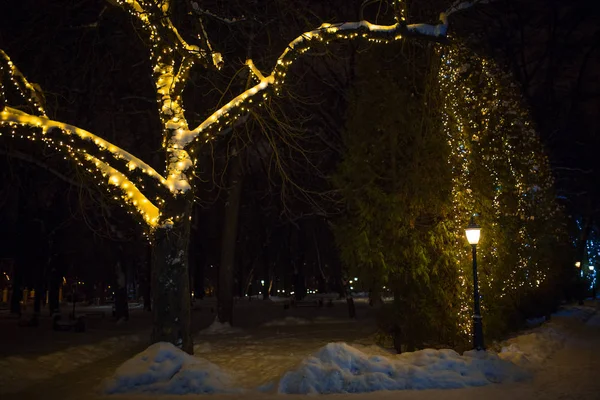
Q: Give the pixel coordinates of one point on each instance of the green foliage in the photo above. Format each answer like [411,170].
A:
[396,184]
[429,143]
[502,173]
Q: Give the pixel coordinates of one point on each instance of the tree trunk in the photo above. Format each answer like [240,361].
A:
[228,242]
[40,293]
[582,257]
[17,292]
[54,282]
[146,280]
[170,281]
[351,307]
[199,280]
[266,288]
[121,305]
[375,299]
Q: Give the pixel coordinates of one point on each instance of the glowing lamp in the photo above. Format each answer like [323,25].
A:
[578,264]
[473,232]
[591,267]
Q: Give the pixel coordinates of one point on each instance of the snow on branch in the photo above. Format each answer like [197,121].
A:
[255,71]
[130,192]
[60,137]
[10,73]
[326,33]
[10,115]
[157,22]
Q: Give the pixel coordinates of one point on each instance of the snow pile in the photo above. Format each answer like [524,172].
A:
[581,313]
[202,348]
[533,322]
[278,299]
[164,369]
[340,368]
[594,321]
[16,373]
[535,346]
[218,328]
[330,320]
[287,321]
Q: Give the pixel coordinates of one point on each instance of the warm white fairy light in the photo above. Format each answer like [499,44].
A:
[11,115]
[131,193]
[166,44]
[489,130]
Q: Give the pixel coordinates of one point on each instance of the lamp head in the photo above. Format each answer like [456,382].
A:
[473,232]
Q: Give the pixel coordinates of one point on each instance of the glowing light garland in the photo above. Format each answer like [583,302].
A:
[495,148]
[167,46]
[168,49]
[485,129]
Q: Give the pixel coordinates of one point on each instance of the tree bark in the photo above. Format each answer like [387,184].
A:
[17,292]
[121,304]
[375,299]
[266,288]
[40,293]
[146,280]
[582,257]
[170,281]
[54,282]
[199,280]
[228,241]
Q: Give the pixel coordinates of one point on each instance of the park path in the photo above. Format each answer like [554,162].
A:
[571,373]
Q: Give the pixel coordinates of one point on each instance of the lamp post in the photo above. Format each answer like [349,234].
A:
[473,232]
[593,273]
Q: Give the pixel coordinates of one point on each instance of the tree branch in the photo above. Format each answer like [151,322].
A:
[68,133]
[228,21]
[31,160]
[460,5]
[155,19]
[326,33]
[9,72]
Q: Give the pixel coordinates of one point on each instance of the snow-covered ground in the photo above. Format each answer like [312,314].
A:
[307,353]
[18,372]
[557,360]
[336,367]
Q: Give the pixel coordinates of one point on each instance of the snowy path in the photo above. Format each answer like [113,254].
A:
[256,356]
[72,385]
[571,373]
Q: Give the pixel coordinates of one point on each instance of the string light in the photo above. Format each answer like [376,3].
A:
[497,159]
[178,140]
[486,126]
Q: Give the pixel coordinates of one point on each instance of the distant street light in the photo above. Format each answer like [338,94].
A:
[591,267]
[473,232]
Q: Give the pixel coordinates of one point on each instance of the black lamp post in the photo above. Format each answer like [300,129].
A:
[473,232]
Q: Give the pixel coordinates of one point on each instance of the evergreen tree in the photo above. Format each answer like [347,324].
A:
[433,138]
[395,181]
